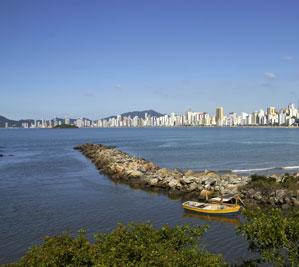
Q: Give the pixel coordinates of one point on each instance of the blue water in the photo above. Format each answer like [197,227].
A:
[46,187]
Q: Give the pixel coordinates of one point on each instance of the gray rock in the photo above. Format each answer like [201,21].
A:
[187,179]
[281,193]
[250,193]
[174,184]
[192,187]
[287,200]
[134,173]
[258,196]
[153,181]
[199,187]
[232,188]
[217,188]
[295,201]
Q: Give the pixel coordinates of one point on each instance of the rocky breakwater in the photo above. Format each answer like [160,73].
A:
[140,173]
[274,190]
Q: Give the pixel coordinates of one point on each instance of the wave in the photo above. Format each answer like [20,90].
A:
[267,169]
[170,144]
[290,167]
[255,170]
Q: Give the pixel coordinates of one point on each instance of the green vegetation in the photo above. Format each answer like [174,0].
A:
[274,234]
[131,245]
[290,182]
[65,126]
[268,184]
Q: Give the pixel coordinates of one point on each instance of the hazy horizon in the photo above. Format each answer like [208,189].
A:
[128,111]
[101,58]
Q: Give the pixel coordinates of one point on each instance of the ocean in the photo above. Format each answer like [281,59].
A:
[47,187]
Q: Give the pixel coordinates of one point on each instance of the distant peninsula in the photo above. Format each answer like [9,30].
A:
[139,114]
[65,126]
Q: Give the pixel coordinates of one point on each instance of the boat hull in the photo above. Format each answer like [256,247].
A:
[227,209]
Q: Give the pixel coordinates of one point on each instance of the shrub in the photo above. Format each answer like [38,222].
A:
[274,235]
[290,182]
[262,183]
[262,179]
[131,245]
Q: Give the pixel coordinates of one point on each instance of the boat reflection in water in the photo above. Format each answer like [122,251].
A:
[232,219]
[224,209]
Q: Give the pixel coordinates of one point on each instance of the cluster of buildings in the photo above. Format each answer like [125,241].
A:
[81,123]
[271,117]
[288,116]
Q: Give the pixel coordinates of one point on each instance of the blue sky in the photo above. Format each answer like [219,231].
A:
[97,58]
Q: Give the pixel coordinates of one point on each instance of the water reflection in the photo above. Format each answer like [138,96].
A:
[232,219]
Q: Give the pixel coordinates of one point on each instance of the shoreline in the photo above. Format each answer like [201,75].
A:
[139,173]
[174,127]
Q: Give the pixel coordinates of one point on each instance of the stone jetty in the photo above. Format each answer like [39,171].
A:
[140,173]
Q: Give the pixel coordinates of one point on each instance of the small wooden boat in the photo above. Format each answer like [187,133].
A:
[211,208]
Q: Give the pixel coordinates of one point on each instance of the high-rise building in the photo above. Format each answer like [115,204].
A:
[271,111]
[219,116]
[254,118]
[66,120]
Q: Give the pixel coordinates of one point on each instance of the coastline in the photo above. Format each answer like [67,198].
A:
[171,127]
[140,173]
[121,167]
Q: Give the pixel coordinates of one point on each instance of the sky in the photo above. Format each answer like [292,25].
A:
[98,58]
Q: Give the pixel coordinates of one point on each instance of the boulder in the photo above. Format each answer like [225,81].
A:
[192,187]
[232,188]
[276,177]
[250,193]
[153,182]
[187,179]
[149,166]
[295,201]
[189,173]
[258,195]
[134,173]
[174,184]
[217,188]
[163,172]
[199,187]
[281,193]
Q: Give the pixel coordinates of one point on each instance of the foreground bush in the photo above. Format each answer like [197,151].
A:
[132,245]
[275,235]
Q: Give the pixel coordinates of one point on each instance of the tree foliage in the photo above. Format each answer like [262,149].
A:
[131,245]
[65,126]
[274,234]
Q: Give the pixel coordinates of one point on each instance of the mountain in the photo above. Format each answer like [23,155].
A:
[4,120]
[13,123]
[140,114]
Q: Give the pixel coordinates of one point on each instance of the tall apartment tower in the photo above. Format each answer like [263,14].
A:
[219,116]
[271,111]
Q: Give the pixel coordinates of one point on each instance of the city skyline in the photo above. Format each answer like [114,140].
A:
[110,56]
[271,116]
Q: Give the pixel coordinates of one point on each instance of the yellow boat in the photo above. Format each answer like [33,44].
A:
[211,208]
